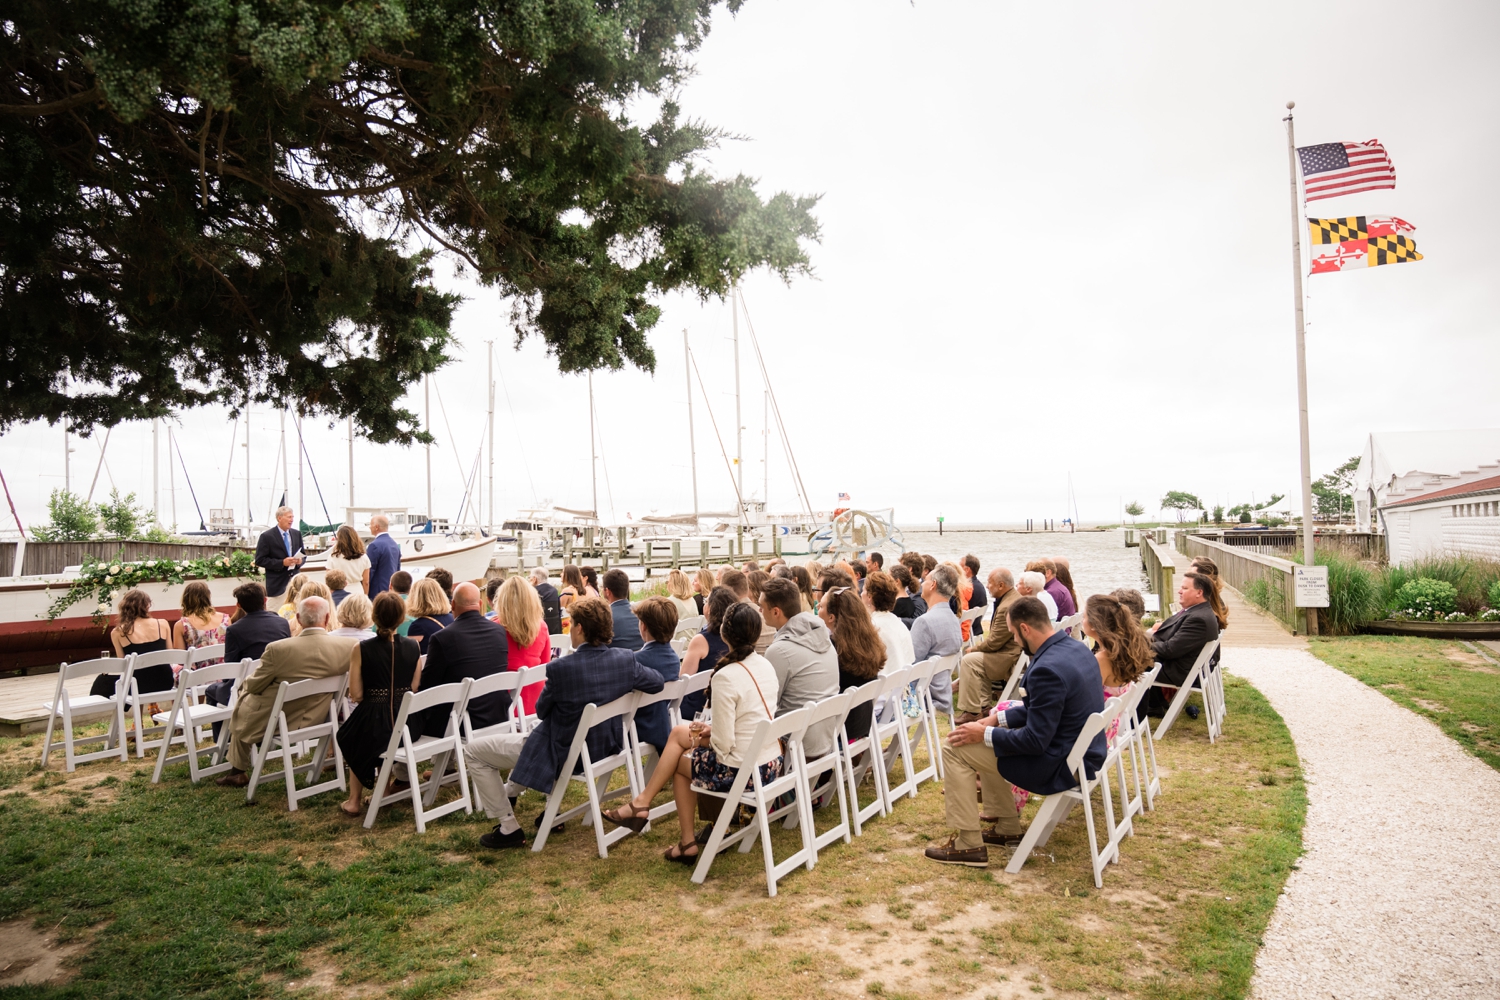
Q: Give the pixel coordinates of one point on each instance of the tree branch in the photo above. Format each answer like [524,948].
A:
[52,107]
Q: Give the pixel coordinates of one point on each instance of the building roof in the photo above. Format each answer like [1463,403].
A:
[1490,485]
[1395,454]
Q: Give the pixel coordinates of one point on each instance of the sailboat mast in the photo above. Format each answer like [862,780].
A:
[286,482]
[491,370]
[739,422]
[765,442]
[593,455]
[155,470]
[687,367]
[249,511]
[172,476]
[349,424]
[427,408]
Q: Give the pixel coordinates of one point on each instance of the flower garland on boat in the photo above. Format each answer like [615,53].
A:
[100,580]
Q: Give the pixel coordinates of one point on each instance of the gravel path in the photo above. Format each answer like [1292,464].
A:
[1398,894]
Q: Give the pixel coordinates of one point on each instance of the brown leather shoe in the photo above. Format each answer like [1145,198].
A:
[951,854]
[234,779]
[964,718]
[994,836]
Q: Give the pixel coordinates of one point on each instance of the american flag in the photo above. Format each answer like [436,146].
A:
[843,497]
[1330,169]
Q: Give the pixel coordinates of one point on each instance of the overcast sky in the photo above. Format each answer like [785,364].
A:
[1056,244]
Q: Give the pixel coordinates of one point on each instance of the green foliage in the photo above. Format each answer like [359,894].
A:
[1218,513]
[1354,593]
[99,581]
[1471,576]
[1134,508]
[1493,595]
[209,202]
[72,519]
[121,517]
[157,533]
[1333,494]
[1245,512]
[1178,500]
[1426,599]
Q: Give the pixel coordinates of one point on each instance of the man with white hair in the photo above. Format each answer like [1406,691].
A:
[278,553]
[937,632]
[384,553]
[1034,584]
[989,663]
[312,653]
[551,600]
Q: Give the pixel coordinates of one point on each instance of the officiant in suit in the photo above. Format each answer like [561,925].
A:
[279,553]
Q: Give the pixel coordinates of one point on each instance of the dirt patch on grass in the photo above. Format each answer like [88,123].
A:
[30,957]
[1431,706]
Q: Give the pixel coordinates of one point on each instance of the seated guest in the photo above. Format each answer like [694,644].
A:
[1027,745]
[247,637]
[527,643]
[573,586]
[1210,569]
[1066,605]
[400,584]
[959,602]
[804,586]
[590,581]
[915,565]
[860,649]
[875,561]
[703,585]
[1033,583]
[551,602]
[1178,640]
[1063,571]
[311,588]
[936,633]
[355,616]
[749,567]
[806,665]
[658,617]
[709,756]
[1131,599]
[616,594]
[680,593]
[429,610]
[880,597]
[492,597]
[861,571]
[594,672]
[1121,647]
[382,668]
[705,648]
[469,646]
[138,632]
[337,584]
[929,563]
[288,609]
[909,604]
[979,597]
[746,587]
[312,653]
[201,623]
[988,665]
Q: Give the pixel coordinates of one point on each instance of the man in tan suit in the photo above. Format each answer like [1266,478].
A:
[310,654]
[988,665]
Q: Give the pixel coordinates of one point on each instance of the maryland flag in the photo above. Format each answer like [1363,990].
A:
[1347,244]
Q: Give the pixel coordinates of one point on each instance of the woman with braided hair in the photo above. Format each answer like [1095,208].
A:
[700,755]
[381,670]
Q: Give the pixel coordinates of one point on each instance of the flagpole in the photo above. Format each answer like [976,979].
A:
[1297,224]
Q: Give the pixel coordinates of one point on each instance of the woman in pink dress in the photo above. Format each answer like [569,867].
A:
[519,612]
[201,623]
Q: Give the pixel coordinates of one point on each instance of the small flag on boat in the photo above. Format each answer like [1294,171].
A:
[843,498]
[1355,242]
[1330,169]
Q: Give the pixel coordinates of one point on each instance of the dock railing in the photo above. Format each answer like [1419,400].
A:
[1263,580]
[1156,560]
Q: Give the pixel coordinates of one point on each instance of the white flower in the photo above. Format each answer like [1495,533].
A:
[115,568]
[109,579]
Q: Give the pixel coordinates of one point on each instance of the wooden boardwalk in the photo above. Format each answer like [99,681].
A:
[21,701]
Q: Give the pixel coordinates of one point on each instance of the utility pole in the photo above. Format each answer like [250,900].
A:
[687,367]
[297,426]
[427,408]
[249,511]
[349,423]
[491,370]
[739,423]
[593,457]
[1297,224]
[765,441]
[286,484]
[172,474]
[155,470]
[67,457]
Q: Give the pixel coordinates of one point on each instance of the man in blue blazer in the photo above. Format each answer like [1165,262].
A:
[384,553]
[615,588]
[593,673]
[1027,745]
[658,618]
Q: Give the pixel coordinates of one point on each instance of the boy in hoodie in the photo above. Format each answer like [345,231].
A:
[807,668]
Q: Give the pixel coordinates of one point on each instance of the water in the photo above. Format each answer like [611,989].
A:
[1099,559]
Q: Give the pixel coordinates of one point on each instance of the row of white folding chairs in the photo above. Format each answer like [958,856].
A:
[69,710]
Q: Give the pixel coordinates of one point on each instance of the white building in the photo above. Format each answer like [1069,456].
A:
[1432,492]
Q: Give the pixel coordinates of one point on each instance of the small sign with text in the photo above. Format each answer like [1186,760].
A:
[1310,586]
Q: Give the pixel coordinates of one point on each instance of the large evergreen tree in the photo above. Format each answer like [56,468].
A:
[204,201]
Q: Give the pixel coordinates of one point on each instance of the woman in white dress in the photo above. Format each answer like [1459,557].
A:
[349,556]
[881,591]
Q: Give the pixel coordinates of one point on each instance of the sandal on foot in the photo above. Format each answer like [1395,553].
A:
[356,814]
[635,822]
[682,857]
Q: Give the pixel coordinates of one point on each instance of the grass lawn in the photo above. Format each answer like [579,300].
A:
[1441,679]
[177,891]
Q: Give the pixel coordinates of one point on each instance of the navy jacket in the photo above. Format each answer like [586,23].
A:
[1180,639]
[596,674]
[249,636]
[473,646]
[385,559]
[1063,689]
[627,627]
[654,723]
[551,607]
[269,551]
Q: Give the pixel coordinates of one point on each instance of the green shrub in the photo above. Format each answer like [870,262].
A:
[1494,594]
[1354,594]
[1426,599]
[1472,579]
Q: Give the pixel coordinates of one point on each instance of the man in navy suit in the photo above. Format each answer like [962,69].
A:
[247,638]
[384,553]
[473,646]
[1027,745]
[279,553]
[615,588]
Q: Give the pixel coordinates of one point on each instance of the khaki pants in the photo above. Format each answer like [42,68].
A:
[485,758]
[961,801]
[978,676]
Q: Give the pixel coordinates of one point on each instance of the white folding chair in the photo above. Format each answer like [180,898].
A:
[190,712]
[1179,700]
[972,615]
[409,751]
[525,677]
[595,775]
[689,627]
[199,655]
[949,665]
[924,733]
[750,791]
[1134,739]
[680,645]
[671,693]
[562,644]
[1073,625]
[695,683]
[280,740]
[135,698]
[892,726]
[1016,673]
[869,745]
[834,709]
[72,709]
[508,681]
[1056,807]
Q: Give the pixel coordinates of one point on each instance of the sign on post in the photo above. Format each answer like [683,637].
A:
[1310,586]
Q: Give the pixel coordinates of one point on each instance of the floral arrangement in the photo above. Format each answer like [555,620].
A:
[1426,600]
[100,580]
